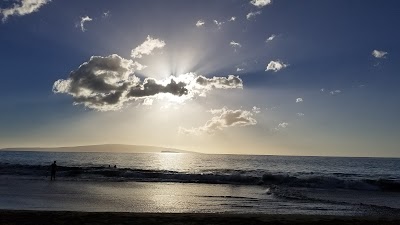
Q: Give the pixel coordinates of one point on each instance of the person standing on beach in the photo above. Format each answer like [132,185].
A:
[53,168]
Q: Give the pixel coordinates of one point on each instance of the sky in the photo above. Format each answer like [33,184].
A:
[280,77]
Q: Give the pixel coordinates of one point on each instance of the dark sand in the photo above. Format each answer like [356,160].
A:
[47,217]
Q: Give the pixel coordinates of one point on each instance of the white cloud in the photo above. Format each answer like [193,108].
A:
[200,23]
[379,54]
[148,101]
[299,100]
[251,15]
[222,119]
[219,24]
[283,125]
[335,92]
[24,7]
[256,110]
[261,3]
[109,83]
[83,21]
[238,69]
[233,18]
[270,38]
[300,114]
[322,89]
[235,44]
[276,66]
[106,14]
[147,47]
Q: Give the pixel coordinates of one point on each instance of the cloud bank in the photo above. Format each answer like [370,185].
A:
[24,7]
[222,119]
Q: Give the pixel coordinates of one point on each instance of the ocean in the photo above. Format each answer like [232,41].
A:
[200,183]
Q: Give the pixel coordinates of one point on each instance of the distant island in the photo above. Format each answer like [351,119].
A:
[103,148]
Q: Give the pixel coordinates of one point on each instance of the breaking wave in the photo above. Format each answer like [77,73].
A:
[99,173]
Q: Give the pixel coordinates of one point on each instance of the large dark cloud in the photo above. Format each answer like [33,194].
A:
[107,83]
[150,87]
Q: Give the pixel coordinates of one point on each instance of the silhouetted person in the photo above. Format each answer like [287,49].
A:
[53,168]
[115,166]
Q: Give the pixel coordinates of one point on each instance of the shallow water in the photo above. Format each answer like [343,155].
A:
[169,182]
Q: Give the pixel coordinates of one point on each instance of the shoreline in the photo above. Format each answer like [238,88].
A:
[11,217]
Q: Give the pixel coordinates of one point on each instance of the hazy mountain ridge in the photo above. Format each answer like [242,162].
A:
[102,148]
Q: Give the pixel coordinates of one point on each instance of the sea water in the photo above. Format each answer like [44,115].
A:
[180,182]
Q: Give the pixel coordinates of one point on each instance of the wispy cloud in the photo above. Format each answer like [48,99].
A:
[281,126]
[218,23]
[83,21]
[200,23]
[335,92]
[106,14]
[147,47]
[233,18]
[276,66]
[299,100]
[300,114]
[23,7]
[261,3]
[270,38]
[379,54]
[222,119]
[251,15]
[235,45]
[256,109]
[238,69]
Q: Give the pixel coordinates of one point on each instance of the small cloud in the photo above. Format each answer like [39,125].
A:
[260,3]
[238,69]
[106,14]
[300,114]
[270,38]
[379,54]
[233,18]
[235,45]
[23,7]
[147,47]
[83,21]
[219,24]
[276,66]
[283,125]
[335,92]
[256,110]
[200,23]
[251,15]
[322,89]
[222,119]
[299,100]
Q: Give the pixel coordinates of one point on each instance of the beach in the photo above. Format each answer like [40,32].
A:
[10,217]
[197,189]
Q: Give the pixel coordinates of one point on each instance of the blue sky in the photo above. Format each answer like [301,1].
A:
[208,87]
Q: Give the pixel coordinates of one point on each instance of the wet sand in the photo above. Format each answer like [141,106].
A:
[11,217]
